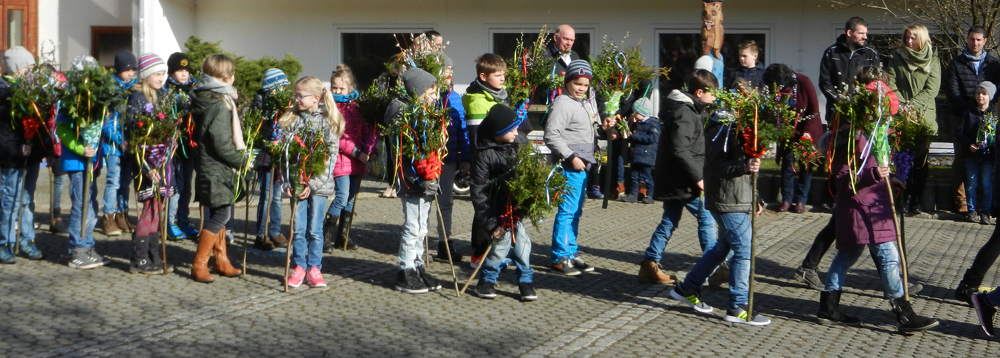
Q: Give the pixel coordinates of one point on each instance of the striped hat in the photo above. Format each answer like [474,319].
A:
[274,78]
[641,106]
[577,69]
[150,64]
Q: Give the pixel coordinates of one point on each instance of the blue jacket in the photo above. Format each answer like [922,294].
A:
[112,130]
[753,74]
[458,133]
[645,140]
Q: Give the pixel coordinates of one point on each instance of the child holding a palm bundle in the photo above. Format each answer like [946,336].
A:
[975,134]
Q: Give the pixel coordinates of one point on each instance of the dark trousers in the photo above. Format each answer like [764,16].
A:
[985,259]
[917,181]
[643,173]
[794,185]
[824,239]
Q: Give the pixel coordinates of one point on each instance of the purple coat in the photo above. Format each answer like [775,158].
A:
[864,217]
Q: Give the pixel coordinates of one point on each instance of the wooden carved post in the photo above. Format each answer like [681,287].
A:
[711,29]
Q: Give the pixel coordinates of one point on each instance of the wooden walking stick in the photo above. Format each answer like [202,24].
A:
[350,222]
[899,242]
[246,233]
[291,239]
[454,278]
[753,243]
[476,271]
[164,216]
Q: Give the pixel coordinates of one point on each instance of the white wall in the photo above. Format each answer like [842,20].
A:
[66,23]
[162,26]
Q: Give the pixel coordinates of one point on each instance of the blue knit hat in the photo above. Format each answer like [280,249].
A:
[577,69]
[642,106]
[274,78]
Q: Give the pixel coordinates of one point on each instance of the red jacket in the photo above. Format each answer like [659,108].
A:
[358,138]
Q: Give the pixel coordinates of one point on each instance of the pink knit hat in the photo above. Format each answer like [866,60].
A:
[150,64]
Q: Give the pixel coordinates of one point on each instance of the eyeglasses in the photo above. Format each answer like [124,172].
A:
[300,97]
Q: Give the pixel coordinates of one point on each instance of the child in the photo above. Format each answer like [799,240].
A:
[146,238]
[644,141]
[456,163]
[15,156]
[274,79]
[498,144]
[572,125]
[314,107]
[115,203]
[416,191]
[728,198]
[749,69]
[356,146]
[218,134]
[179,228]
[978,154]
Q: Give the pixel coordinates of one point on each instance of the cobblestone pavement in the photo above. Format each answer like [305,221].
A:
[50,310]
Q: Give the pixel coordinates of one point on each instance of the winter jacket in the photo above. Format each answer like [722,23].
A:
[864,216]
[494,165]
[320,184]
[571,129]
[753,74]
[680,157]
[727,180]
[410,184]
[560,66]
[217,158]
[269,130]
[186,152]
[967,133]
[459,150]
[961,81]
[839,66]
[136,103]
[477,103]
[11,131]
[916,87]
[113,131]
[645,141]
[806,104]
[358,138]
[172,84]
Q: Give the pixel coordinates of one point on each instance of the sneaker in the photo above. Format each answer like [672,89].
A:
[84,258]
[7,255]
[565,266]
[527,292]
[580,265]
[486,290]
[965,292]
[809,277]
[985,219]
[409,281]
[631,198]
[647,200]
[30,251]
[429,281]
[972,216]
[174,233]
[475,260]
[295,279]
[189,230]
[739,316]
[595,192]
[315,278]
[692,300]
[985,311]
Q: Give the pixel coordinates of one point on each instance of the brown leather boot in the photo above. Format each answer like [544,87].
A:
[222,265]
[720,277]
[650,272]
[111,226]
[199,269]
[121,220]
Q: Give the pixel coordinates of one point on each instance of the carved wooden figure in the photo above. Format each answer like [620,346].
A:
[711,29]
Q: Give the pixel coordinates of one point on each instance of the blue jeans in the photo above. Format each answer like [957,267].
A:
[794,190]
[735,232]
[8,207]
[267,185]
[58,183]
[114,167]
[979,173]
[347,188]
[521,256]
[180,202]
[671,218]
[643,173]
[411,246]
[76,182]
[886,258]
[308,241]
[567,221]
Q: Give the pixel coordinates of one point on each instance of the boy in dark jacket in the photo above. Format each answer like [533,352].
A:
[14,151]
[498,143]
[978,150]
[274,79]
[679,165]
[644,142]
[750,69]
[119,173]
[179,79]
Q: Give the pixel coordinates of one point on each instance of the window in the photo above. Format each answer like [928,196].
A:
[367,52]
[20,19]
[106,41]
[679,50]
[505,42]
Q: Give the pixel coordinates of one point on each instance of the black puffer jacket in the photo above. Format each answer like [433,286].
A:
[839,66]
[961,80]
[753,74]
[680,157]
[493,164]
[11,132]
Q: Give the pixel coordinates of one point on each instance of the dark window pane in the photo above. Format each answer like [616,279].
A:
[367,53]
[680,51]
[505,43]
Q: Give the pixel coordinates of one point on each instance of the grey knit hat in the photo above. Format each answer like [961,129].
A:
[642,106]
[417,81]
[17,58]
[990,88]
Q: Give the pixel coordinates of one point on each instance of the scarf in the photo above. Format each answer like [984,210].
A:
[918,60]
[211,84]
[339,98]
[976,61]
[500,96]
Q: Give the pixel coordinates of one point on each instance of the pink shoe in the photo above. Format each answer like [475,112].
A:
[315,278]
[295,280]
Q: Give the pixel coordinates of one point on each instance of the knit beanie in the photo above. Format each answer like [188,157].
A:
[176,62]
[124,61]
[990,88]
[642,106]
[577,69]
[704,63]
[17,58]
[417,81]
[499,120]
[274,78]
[150,64]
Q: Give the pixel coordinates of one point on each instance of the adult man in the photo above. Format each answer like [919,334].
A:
[561,47]
[970,67]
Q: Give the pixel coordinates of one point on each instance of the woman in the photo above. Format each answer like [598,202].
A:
[915,75]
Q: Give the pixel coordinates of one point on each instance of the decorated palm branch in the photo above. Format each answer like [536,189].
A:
[87,98]
[618,71]
[35,101]
[374,101]
[252,122]
[153,132]
[420,133]
[869,113]
[531,68]
[300,156]
[761,118]
[907,133]
[535,188]
[422,53]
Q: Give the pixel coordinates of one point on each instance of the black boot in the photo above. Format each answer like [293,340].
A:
[965,291]
[346,219]
[442,254]
[908,320]
[329,233]
[155,252]
[829,310]
[140,255]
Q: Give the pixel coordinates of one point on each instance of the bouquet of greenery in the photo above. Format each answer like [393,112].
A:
[373,103]
[618,70]
[531,68]
[987,129]
[34,99]
[424,54]
[88,97]
[761,118]
[279,100]
[300,156]
[869,112]
[535,186]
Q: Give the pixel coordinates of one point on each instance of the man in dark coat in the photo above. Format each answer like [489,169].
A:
[841,62]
